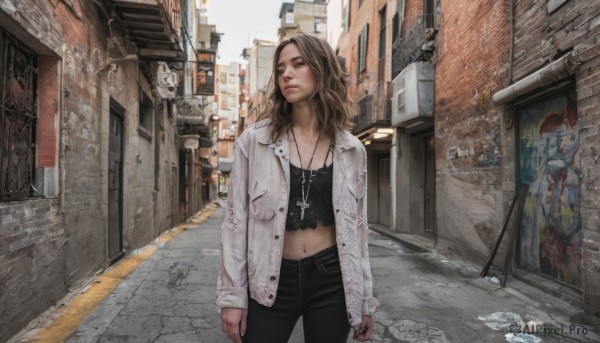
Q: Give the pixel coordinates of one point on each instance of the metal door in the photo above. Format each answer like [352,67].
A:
[115,186]
[384,191]
[550,236]
[429,212]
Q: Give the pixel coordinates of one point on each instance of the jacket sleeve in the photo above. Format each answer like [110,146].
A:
[370,304]
[232,283]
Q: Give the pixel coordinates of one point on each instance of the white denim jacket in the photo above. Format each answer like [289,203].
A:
[254,227]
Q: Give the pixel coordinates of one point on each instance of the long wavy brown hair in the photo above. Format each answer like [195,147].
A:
[335,111]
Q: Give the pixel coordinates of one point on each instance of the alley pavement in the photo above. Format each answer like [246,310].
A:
[169,298]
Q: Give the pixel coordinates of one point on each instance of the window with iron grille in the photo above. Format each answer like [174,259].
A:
[18,117]
[363,38]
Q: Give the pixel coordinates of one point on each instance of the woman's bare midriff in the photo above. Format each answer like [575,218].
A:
[303,243]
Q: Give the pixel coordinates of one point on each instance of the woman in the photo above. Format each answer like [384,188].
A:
[294,240]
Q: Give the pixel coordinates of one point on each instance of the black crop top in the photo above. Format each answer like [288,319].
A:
[320,209]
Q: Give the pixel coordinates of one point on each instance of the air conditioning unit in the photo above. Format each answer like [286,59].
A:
[167,85]
[167,81]
[412,100]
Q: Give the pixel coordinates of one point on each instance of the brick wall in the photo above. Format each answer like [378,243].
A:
[32,235]
[573,26]
[32,261]
[470,64]
[51,246]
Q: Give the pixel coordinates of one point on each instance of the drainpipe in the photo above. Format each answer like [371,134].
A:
[393,162]
[62,144]
[511,55]
[557,70]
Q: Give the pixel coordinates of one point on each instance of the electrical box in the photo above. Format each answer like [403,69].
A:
[413,94]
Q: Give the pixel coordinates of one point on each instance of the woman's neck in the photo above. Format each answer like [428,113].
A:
[305,119]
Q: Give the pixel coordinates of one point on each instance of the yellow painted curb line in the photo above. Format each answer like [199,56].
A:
[77,309]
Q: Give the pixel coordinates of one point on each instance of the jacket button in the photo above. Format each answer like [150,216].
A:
[281,209]
[337,210]
[343,244]
[273,278]
[270,296]
[276,236]
[281,150]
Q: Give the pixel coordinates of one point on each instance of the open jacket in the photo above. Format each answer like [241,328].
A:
[254,226]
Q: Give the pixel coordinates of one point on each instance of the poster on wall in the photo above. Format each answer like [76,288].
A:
[550,236]
[205,75]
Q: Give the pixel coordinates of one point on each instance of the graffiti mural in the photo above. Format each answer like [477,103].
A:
[550,234]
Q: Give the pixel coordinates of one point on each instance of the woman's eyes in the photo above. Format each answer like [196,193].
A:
[295,65]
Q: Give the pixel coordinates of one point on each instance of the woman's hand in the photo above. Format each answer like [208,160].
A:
[234,323]
[364,330]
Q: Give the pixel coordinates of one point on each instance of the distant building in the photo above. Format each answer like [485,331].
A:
[303,16]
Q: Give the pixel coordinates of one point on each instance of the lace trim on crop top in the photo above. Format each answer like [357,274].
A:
[320,209]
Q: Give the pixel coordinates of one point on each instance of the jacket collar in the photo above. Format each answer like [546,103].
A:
[344,140]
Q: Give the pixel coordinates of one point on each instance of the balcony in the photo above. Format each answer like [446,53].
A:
[416,45]
[374,110]
[153,25]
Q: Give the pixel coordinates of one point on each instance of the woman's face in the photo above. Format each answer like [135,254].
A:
[295,79]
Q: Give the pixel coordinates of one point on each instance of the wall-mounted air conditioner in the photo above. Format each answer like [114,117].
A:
[412,100]
[167,81]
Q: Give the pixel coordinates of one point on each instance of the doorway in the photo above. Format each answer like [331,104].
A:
[429,189]
[384,191]
[115,184]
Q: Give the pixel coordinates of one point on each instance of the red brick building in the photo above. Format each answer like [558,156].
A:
[91,166]
[483,97]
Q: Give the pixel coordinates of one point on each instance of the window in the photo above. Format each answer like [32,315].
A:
[382,33]
[223,77]
[146,116]
[231,78]
[346,16]
[18,113]
[232,103]
[223,101]
[362,48]
[395,29]
[429,13]
[289,18]
[321,25]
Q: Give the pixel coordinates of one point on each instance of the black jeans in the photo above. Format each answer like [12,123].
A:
[312,288]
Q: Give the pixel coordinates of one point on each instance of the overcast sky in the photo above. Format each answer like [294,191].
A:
[241,21]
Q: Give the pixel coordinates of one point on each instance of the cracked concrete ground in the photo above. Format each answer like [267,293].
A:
[425,297]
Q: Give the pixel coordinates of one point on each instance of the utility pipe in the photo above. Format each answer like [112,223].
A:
[557,70]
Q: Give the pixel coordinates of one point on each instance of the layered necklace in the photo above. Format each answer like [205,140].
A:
[304,203]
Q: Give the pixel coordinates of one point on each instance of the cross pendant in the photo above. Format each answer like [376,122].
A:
[303,205]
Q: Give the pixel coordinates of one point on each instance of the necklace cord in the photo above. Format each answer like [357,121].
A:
[305,199]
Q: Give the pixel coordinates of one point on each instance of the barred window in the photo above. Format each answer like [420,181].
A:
[18,116]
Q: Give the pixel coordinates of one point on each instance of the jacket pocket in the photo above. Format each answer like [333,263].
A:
[260,206]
